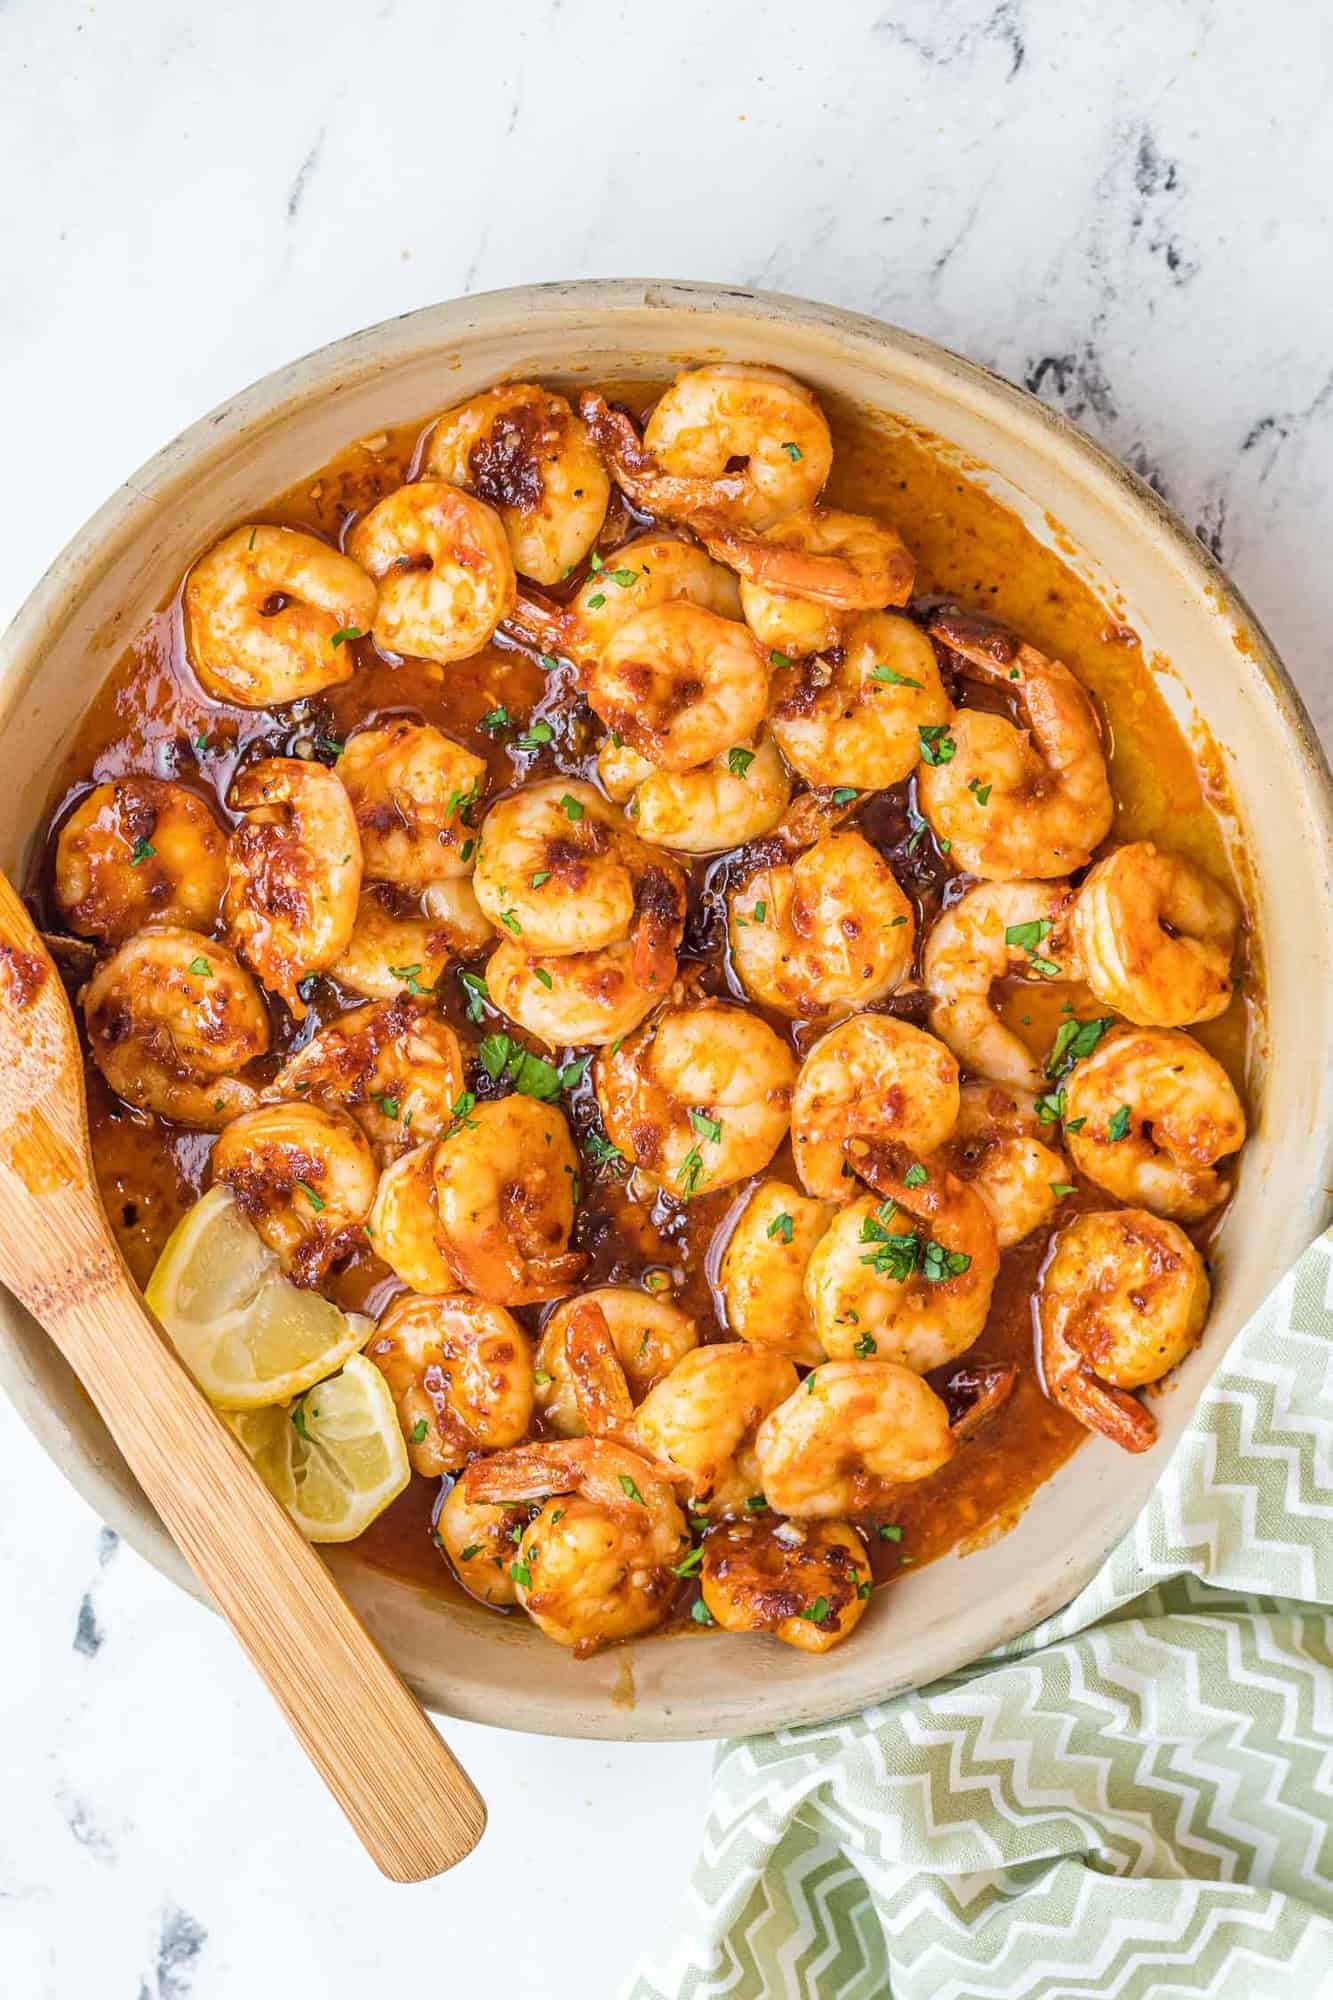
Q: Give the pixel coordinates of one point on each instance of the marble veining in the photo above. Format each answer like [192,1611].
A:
[1123,208]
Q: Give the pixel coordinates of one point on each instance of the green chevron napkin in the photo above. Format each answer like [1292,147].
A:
[1132,1800]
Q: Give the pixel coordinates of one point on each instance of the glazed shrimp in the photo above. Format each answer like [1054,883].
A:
[293,872]
[270,614]
[442,563]
[404,1228]
[139,851]
[394,1066]
[1006,1155]
[909,1277]
[792,626]
[680,685]
[762,1273]
[644,1338]
[1122,1300]
[416,795]
[736,797]
[851,1434]
[460,1372]
[1014,803]
[504,1201]
[1157,936]
[847,562]
[480,1541]
[701,1419]
[1147,1116]
[171,1018]
[399,944]
[561,872]
[873,1078]
[997,930]
[708,419]
[523,450]
[857,720]
[698,1098]
[807,1583]
[305,1177]
[639,575]
[822,934]
[584,1000]
[596,1564]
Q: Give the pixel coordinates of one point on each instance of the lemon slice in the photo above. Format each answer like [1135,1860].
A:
[247,1334]
[337,1458]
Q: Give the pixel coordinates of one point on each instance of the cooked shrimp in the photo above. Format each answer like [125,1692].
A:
[1157,936]
[504,1200]
[584,1000]
[698,1097]
[873,1078]
[395,1066]
[850,1434]
[1122,1300]
[594,1387]
[708,419]
[858,720]
[822,934]
[806,1583]
[561,872]
[404,1228]
[738,796]
[399,945]
[270,614]
[849,562]
[909,1277]
[762,1274]
[702,1418]
[415,794]
[293,872]
[1015,803]
[171,1018]
[793,626]
[1147,1116]
[460,1372]
[442,562]
[523,450]
[680,685]
[596,1564]
[139,851]
[480,1541]
[994,931]
[1003,1151]
[652,569]
[647,1337]
[305,1177]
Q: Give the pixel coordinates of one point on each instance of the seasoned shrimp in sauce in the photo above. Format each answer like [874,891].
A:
[415,795]
[1148,1116]
[293,872]
[139,851]
[1157,937]
[442,563]
[823,934]
[304,1176]
[271,614]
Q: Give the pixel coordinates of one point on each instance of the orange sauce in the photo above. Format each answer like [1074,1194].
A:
[151,716]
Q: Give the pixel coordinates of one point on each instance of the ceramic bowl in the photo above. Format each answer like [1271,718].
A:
[1228,687]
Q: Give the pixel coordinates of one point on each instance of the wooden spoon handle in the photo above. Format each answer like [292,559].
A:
[413,1806]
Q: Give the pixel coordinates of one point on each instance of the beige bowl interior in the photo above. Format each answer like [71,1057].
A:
[1150,570]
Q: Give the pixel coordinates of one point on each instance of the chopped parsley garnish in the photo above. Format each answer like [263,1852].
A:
[916,1175]
[937,745]
[521,1574]
[602,1153]
[511,922]
[624,577]
[760,912]
[542,875]
[889,1531]
[494,720]
[793,452]
[781,1226]
[1119,1125]
[472,1549]
[1060,1188]
[689,1564]
[755,1503]
[866,1346]
[536,736]
[700,1613]
[418,1432]
[628,1487]
[543,977]
[571,807]
[739,762]
[778,660]
[596,603]
[464,802]
[706,1127]
[253,532]
[549,662]
[940,1264]
[460,1114]
[388,1105]
[541,1379]
[200,967]
[531,1076]
[1027,937]
[979,791]
[143,851]
[1073,1041]
[1051,1106]
[892,678]
[475,987]
[298,1420]
[843,794]
[316,1201]
[815,1613]
[344,633]
[411,978]
[690,1171]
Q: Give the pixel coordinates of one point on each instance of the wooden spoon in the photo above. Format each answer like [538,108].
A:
[410,1802]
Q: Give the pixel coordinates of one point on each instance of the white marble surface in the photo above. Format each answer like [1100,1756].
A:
[1125,207]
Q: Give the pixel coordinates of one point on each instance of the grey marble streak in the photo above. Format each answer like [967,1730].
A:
[1125,208]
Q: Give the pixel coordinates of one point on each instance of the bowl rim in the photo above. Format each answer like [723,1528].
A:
[376,349]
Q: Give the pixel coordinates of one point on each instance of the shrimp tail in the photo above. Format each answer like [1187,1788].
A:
[537,620]
[992,1395]
[641,475]
[601,1393]
[660,915]
[1113,1413]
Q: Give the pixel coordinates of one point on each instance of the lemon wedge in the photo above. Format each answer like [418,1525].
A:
[247,1334]
[337,1458]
